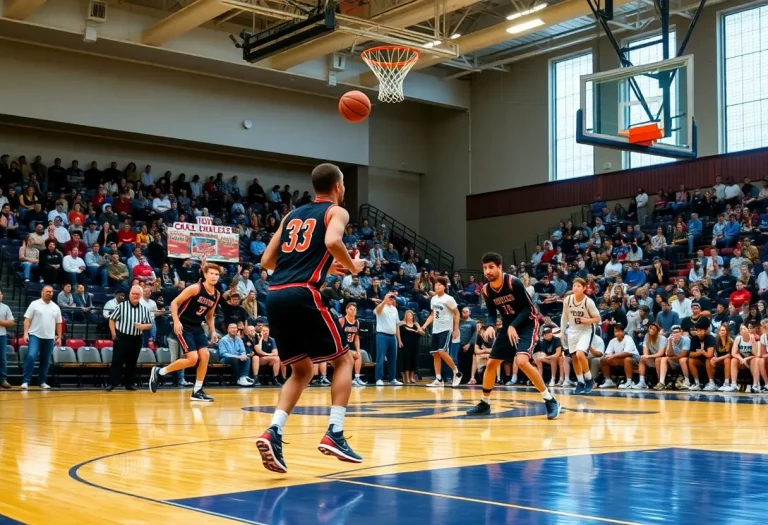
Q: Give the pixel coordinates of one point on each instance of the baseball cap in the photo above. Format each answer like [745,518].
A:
[676,327]
[695,304]
[546,330]
[702,323]
[618,326]
[680,290]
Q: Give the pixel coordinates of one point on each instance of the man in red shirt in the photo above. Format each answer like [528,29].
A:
[122,206]
[740,296]
[75,242]
[143,271]
[126,239]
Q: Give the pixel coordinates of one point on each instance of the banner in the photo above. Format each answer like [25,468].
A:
[216,243]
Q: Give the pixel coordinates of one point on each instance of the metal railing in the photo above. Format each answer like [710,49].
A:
[399,233]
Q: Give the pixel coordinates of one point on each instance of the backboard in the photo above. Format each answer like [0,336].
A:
[617,103]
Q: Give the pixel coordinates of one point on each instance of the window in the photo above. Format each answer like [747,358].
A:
[570,159]
[651,90]
[745,63]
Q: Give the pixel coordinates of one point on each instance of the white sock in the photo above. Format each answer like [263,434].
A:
[198,386]
[337,418]
[357,376]
[487,399]
[727,382]
[278,420]
[162,371]
[580,378]
[588,375]
[514,377]
[546,395]
[697,381]
[455,369]
[439,377]
[641,379]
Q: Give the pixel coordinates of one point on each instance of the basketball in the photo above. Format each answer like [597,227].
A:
[354,106]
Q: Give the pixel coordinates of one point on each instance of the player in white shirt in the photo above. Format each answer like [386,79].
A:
[762,357]
[578,325]
[621,351]
[445,317]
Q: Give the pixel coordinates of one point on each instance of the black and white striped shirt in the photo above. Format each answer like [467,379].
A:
[127,315]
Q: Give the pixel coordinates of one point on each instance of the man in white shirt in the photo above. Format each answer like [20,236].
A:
[612,269]
[60,232]
[387,319]
[58,212]
[6,321]
[762,280]
[111,305]
[682,307]
[74,267]
[146,300]
[621,351]
[161,204]
[42,330]
[445,316]
[642,200]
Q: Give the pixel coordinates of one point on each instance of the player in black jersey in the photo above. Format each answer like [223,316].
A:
[307,246]
[350,328]
[193,306]
[516,339]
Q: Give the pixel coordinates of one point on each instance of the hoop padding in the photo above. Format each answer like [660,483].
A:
[391,64]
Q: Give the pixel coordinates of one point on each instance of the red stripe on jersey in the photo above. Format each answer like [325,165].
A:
[186,303]
[316,274]
[332,327]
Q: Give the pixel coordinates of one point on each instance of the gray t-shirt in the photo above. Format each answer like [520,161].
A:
[5,315]
[653,347]
[682,345]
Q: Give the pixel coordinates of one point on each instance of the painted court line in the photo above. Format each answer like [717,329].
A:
[487,502]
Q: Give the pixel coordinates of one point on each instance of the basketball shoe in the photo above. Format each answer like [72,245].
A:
[270,446]
[335,444]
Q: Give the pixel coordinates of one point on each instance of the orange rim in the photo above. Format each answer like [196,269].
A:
[366,55]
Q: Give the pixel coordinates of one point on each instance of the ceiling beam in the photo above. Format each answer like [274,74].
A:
[495,34]
[20,9]
[183,20]
[410,14]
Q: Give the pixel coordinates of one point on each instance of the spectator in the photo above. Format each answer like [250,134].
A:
[60,233]
[50,261]
[387,340]
[621,351]
[65,299]
[112,304]
[266,354]
[117,272]
[144,272]
[233,312]
[29,258]
[75,242]
[695,229]
[740,296]
[74,267]
[6,321]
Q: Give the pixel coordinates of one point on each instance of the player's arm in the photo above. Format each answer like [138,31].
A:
[269,257]
[734,349]
[184,296]
[563,323]
[594,313]
[338,218]
[210,318]
[456,317]
[429,320]
[492,313]
[518,290]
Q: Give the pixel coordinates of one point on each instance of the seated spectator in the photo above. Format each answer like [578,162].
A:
[681,306]
[9,222]
[65,299]
[678,346]
[621,351]
[75,242]
[144,272]
[29,258]
[265,353]
[740,296]
[744,356]
[117,272]
[50,263]
[635,278]
[126,239]
[654,348]
[74,267]
[548,352]
[233,311]
[702,349]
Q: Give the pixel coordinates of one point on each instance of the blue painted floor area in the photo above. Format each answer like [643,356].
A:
[673,485]
[8,521]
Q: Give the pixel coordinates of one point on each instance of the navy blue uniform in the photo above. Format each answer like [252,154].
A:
[192,314]
[350,330]
[516,308]
[299,321]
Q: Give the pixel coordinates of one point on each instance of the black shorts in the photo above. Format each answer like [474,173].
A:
[441,342]
[302,326]
[193,338]
[505,351]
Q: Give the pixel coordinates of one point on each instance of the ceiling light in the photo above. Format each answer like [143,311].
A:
[430,45]
[455,36]
[538,7]
[530,24]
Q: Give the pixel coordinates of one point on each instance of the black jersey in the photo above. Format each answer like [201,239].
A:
[511,301]
[194,310]
[303,257]
[351,330]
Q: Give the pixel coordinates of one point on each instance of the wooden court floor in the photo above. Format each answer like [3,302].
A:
[82,457]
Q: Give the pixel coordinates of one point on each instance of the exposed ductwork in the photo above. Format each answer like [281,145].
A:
[495,34]
[20,9]
[186,19]
[408,15]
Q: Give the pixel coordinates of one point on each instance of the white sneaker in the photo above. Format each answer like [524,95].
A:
[395,382]
[640,385]
[724,388]
[694,387]
[551,383]
[251,381]
[24,386]
[568,383]
[45,386]
[755,389]
[731,388]
[626,384]
[243,382]
[456,379]
[379,383]
[511,382]
[711,387]
[436,382]
[358,382]
[608,383]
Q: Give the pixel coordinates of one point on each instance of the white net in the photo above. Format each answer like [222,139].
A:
[391,64]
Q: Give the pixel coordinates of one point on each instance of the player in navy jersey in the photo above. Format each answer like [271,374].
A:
[506,294]
[350,327]
[306,247]
[193,307]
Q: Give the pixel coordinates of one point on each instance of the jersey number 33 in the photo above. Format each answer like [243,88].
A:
[299,235]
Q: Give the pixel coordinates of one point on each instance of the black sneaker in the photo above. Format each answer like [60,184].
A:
[589,384]
[579,388]
[200,395]
[335,444]
[154,378]
[270,446]
[481,409]
[553,408]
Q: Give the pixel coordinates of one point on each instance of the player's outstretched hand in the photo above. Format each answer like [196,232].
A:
[358,264]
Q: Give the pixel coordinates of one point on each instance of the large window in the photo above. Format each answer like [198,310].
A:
[745,57]
[569,159]
[652,93]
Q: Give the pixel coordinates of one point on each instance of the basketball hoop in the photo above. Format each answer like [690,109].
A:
[390,64]
[643,134]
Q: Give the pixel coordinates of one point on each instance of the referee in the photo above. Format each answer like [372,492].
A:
[127,322]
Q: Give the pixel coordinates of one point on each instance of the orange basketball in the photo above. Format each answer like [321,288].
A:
[354,106]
